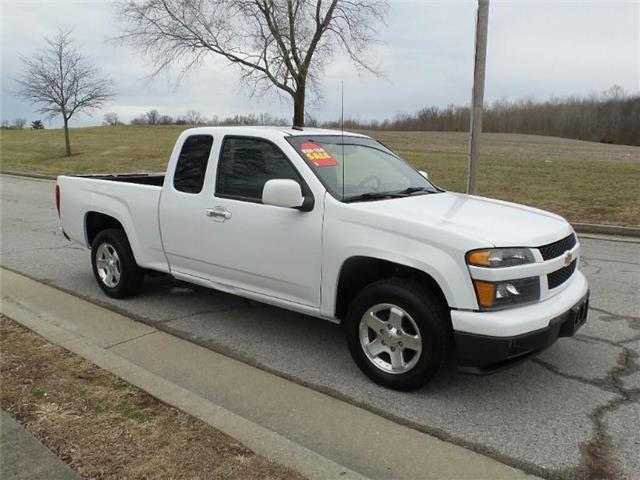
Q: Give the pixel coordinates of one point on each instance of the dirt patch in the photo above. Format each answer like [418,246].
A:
[507,145]
[105,427]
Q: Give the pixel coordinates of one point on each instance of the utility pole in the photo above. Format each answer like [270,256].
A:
[477,100]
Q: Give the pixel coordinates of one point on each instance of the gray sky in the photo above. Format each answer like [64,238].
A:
[536,49]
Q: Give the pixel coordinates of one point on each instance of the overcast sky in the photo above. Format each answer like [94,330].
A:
[536,49]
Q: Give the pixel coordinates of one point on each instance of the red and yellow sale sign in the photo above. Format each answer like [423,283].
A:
[318,155]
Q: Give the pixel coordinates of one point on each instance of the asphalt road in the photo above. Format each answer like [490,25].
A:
[573,411]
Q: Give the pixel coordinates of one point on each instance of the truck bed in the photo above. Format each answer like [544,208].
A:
[132,199]
[155,179]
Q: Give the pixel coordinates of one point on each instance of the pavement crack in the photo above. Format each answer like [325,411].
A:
[608,260]
[614,316]
[632,321]
[602,384]
[584,337]
[43,249]
[598,460]
[130,339]
[629,340]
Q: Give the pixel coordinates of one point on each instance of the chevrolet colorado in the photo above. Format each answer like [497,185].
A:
[335,225]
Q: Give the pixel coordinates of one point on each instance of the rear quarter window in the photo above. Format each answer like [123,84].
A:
[192,164]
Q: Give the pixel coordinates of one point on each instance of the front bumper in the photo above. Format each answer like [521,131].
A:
[512,322]
[481,354]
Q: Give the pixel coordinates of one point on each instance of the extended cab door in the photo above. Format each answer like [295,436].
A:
[185,196]
[240,242]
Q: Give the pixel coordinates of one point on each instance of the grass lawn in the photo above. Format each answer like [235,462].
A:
[583,181]
[105,428]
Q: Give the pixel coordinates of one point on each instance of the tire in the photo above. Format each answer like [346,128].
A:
[420,346]
[114,265]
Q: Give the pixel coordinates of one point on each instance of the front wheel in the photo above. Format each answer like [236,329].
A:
[114,265]
[398,333]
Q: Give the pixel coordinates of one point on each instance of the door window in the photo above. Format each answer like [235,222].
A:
[192,164]
[246,164]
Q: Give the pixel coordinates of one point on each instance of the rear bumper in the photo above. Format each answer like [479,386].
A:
[481,354]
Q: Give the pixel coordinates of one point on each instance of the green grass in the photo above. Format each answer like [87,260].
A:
[95,150]
[581,190]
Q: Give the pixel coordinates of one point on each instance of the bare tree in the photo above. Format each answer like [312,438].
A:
[193,117]
[152,117]
[139,120]
[112,119]
[63,82]
[165,120]
[276,43]
[19,123]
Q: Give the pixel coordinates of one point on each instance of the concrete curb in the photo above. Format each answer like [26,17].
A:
[29,175]
[259,439]
[617,230]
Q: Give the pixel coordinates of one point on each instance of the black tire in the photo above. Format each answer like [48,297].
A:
[131,276]
[429,315]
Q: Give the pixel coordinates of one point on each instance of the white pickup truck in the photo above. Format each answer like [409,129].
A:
[335,225]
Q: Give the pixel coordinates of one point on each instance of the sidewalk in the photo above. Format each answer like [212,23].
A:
[315,434]
[23,456]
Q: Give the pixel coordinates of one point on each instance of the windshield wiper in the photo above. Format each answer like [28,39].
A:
[410,190]
[373,196]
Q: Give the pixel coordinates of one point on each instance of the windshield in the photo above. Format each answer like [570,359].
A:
[357,168]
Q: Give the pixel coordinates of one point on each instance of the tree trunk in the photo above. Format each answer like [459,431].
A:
[67,142]
[298,107]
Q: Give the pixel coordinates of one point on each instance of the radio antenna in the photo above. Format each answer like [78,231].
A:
[342,130]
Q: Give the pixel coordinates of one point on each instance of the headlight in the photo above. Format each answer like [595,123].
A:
[507,293]
[500,257]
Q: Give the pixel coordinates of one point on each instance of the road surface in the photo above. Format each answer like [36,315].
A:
[572,411]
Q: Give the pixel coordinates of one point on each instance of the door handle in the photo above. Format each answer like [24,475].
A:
[219,214]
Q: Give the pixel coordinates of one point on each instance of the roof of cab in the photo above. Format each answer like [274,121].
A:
[270,131]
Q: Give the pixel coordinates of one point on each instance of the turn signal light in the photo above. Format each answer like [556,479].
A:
[507,293]
[486,293]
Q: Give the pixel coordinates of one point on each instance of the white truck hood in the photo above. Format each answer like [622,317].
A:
[499,223]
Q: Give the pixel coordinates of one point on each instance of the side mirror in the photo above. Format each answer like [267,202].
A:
[424,174]
[282,193]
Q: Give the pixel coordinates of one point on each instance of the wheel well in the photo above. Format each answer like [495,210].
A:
[358,272]
[95,222]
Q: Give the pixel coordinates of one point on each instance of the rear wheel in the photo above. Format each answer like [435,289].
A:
[398,333]
[114,265]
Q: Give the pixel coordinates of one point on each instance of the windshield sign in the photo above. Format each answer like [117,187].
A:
[359,169]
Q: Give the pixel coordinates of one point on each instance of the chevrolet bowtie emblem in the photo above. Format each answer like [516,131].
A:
[568,259]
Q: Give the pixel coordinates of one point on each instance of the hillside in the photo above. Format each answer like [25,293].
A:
[584,181]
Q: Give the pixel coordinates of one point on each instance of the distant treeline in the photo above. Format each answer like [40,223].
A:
[610,117]
[194,118]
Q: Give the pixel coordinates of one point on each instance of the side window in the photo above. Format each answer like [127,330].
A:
[246,164]
[192,164]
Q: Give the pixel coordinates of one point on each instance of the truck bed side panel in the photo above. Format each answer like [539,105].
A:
[135,206]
